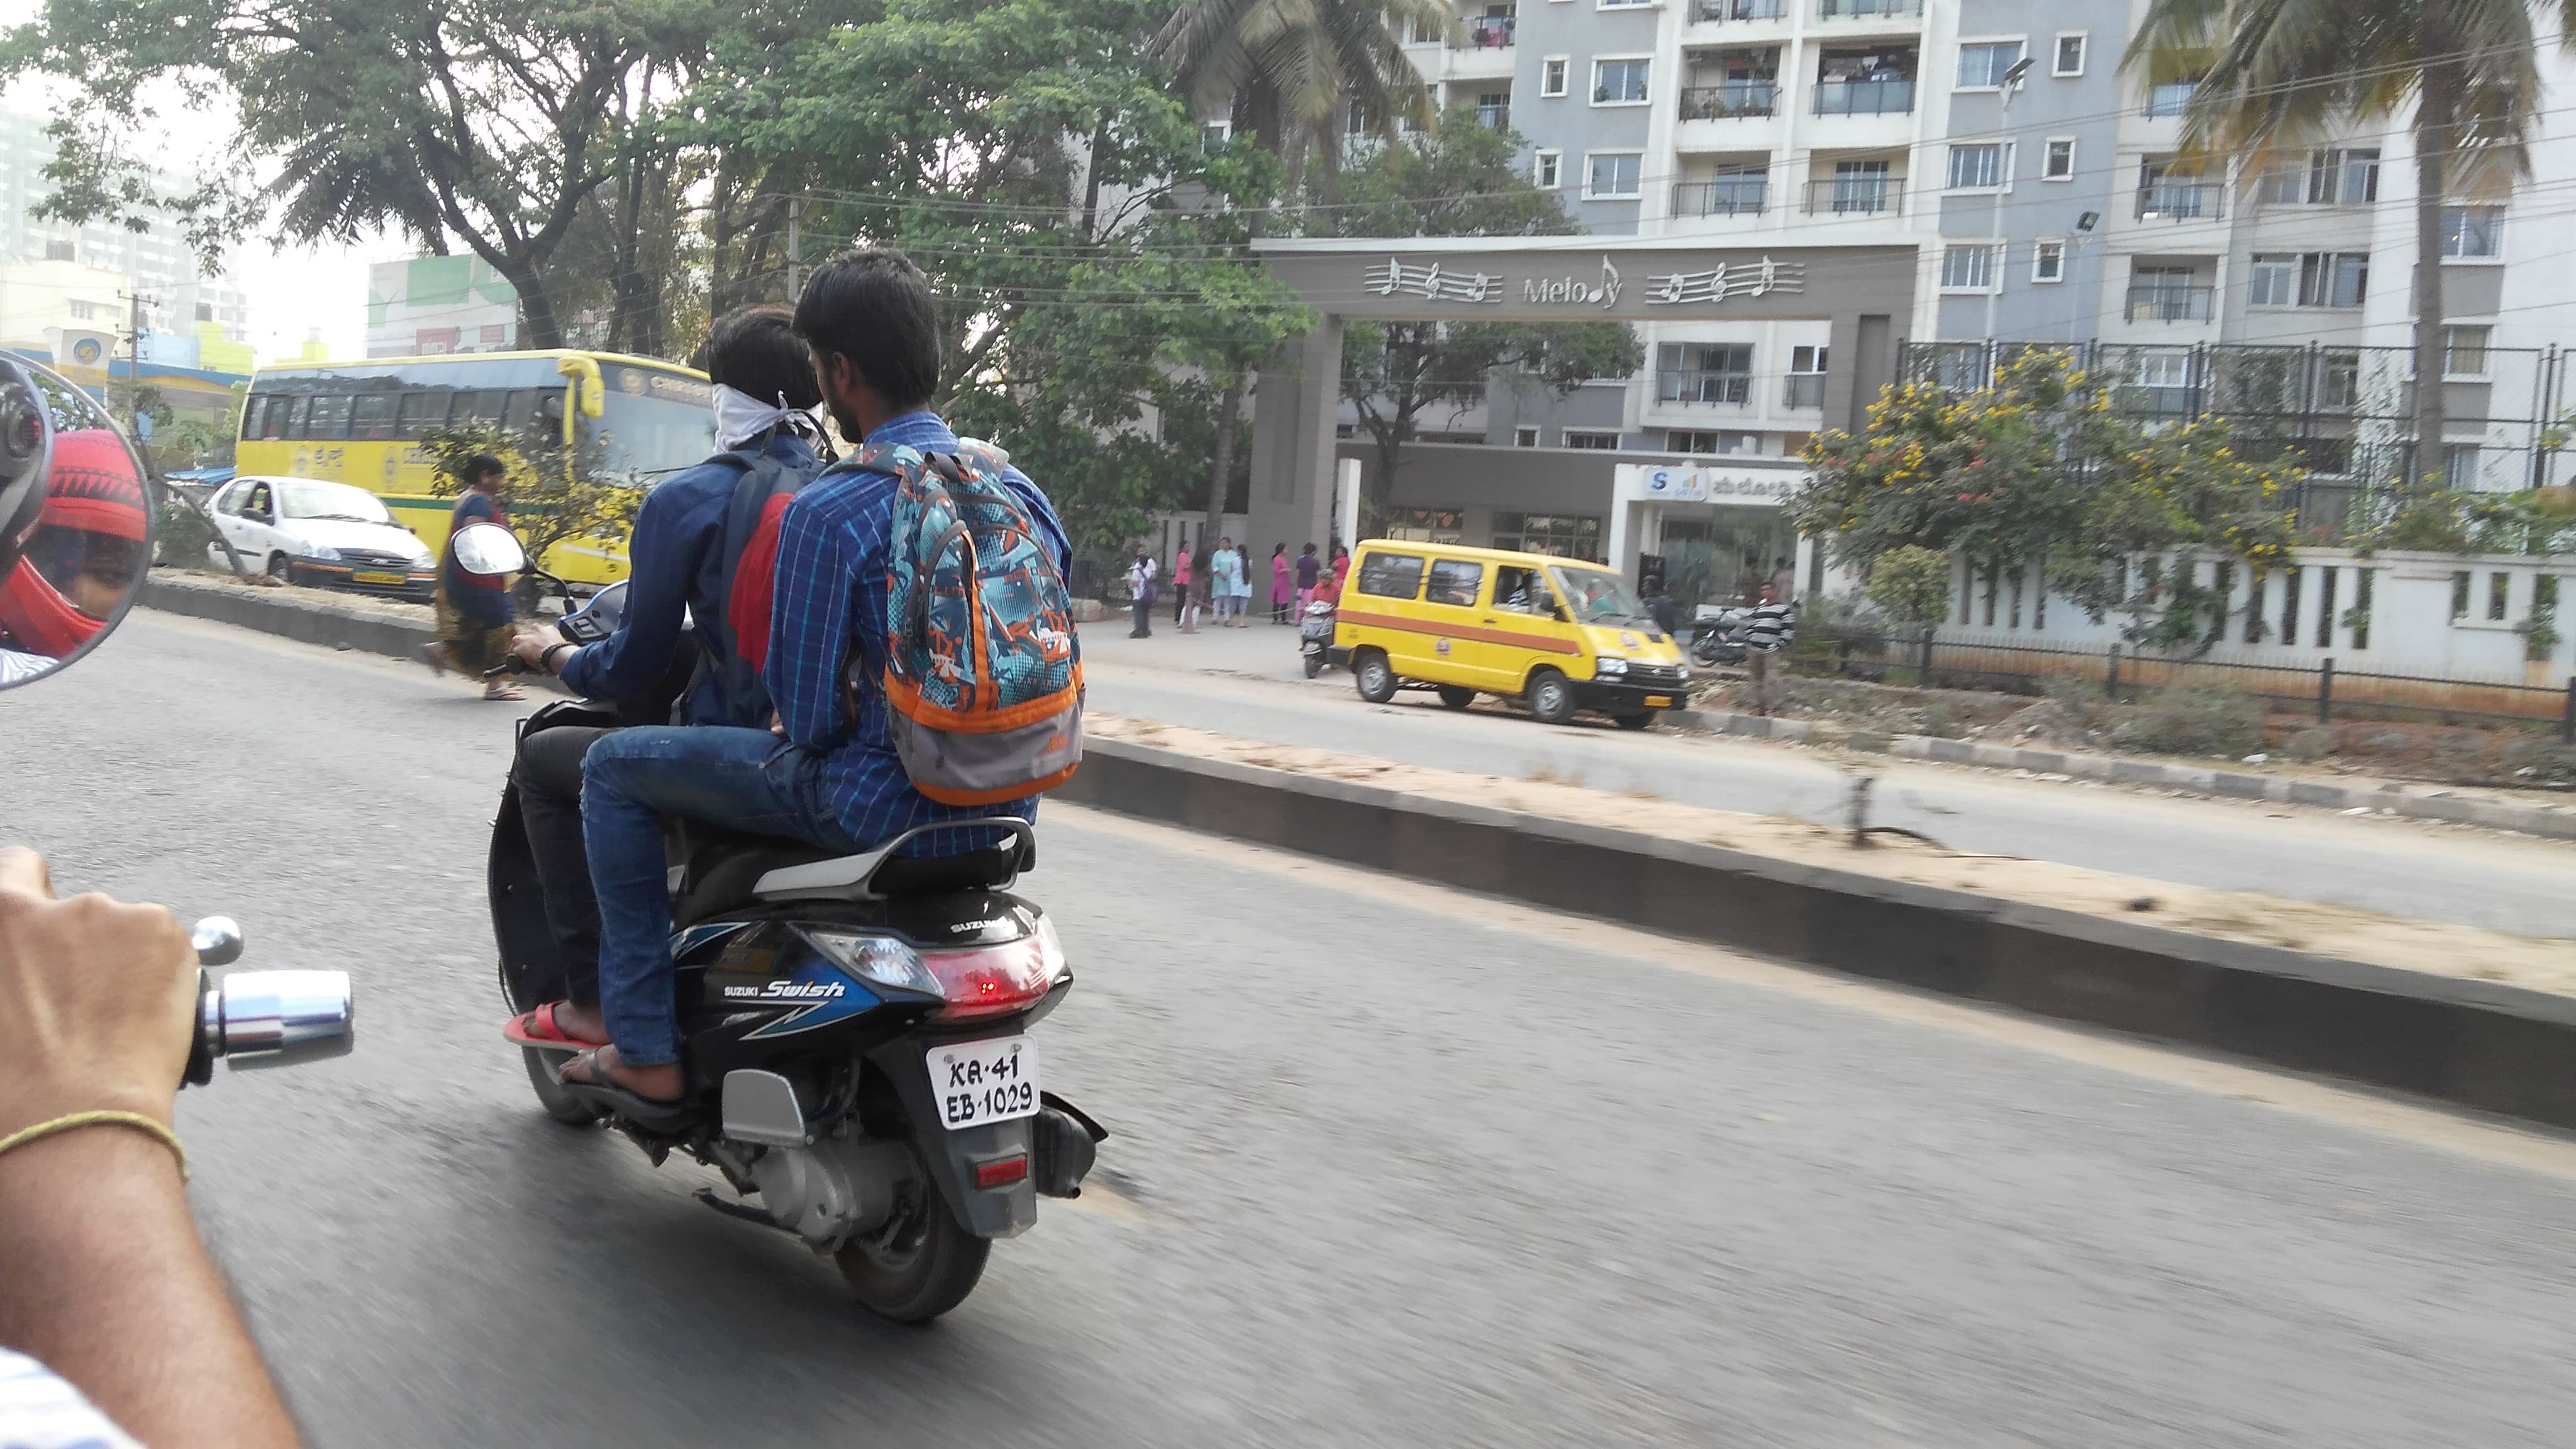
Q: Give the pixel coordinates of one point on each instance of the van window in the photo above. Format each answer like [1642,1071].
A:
[1523,591]
[1455,581]
[1391,575]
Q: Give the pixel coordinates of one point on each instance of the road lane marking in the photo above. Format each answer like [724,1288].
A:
[2423,1124]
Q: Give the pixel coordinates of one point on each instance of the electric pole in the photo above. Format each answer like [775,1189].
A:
[134,367]
[795,251]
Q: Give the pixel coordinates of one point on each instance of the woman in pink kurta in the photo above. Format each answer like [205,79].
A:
[1283,586]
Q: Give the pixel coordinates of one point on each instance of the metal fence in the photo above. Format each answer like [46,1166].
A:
[2126,674]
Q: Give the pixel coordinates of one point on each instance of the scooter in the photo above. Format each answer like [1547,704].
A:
[854,1029]
[1315,639]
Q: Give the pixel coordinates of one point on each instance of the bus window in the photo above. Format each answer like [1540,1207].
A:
[550,406]
[373,417]
[286,417]
[481,409]
[254,417]
[521,412]
[421,413]
[328,417]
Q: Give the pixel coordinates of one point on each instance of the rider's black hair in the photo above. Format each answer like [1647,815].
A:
[873,306]
[755,351]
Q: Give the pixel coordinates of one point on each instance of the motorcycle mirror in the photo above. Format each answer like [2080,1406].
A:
[75,523]
[488,549]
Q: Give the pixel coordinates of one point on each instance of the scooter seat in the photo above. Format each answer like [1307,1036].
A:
[723,872]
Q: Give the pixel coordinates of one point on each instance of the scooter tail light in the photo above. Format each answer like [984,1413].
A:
[993,980]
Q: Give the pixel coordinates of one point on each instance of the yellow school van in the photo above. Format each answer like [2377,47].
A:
[1557,635]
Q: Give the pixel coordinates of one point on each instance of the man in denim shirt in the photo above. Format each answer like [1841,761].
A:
[826,773]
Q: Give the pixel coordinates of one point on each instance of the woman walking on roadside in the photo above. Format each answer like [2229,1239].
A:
[1282,584]
[1180,583]
[1202,581]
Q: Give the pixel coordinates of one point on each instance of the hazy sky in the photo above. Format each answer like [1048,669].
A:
[291,292]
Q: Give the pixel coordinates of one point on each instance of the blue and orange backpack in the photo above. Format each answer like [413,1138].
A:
[983,673]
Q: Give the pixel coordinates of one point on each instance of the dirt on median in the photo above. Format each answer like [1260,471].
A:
[2344,932]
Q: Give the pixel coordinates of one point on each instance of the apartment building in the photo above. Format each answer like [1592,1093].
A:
[156,263]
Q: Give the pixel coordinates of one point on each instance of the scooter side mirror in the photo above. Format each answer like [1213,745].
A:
[76,509]
[488,549]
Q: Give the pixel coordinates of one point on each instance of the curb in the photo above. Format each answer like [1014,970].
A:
[2478,1044]
[310,621]
[2424,802]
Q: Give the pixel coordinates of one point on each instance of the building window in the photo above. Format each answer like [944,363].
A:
[2170,98]
[1805,387]
[1546,168]
[1982,63]
[1562,535]
[1619,82]
[2464,351]
[1551,76]
[2048,260]
[1969,268]
[2334,279]
[2070,53]
[1978,167]
[2275,280]
[84,311]
[1427,525]
[1704,372]
[1678,440]
[2472,233]
[1591,440]
[1524,437]
[1612,175]
[2060,164]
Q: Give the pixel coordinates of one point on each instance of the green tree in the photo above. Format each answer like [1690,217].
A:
[1091,265]
[2040,473]
[554,491]
[1911,585]
[1459,181]
[2276,75]
[488,123]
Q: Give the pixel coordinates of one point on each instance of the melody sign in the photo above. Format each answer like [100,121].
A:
[1433,282]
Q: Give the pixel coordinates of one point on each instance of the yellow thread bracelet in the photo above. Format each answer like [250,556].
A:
[73,1120]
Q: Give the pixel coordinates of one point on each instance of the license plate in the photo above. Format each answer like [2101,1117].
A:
[993,1080]
[1659,701]
[373,576]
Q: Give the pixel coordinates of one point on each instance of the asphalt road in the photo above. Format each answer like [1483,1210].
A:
[1391,1166]
[1247,683]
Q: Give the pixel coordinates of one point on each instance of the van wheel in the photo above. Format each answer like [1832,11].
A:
[1376,677]
[1457,696]
[1634,720]
[1551,698]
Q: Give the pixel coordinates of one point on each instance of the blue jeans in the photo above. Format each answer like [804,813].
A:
[740,779]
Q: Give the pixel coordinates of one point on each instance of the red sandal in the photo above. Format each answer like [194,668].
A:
[538,1029]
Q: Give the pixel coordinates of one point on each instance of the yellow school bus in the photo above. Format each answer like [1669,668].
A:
[362,422]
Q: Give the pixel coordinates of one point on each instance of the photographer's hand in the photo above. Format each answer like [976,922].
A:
[101,1273]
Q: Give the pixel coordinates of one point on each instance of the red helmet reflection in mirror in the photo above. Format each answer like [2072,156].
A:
[95,519]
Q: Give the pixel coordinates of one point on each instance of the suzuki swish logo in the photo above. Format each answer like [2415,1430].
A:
[787,991]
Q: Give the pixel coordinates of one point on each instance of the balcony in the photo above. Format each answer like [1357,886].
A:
[1804,391]
[2175,200]
[1719,11]
[1693,385]
[1855,196]
[1730,100]
[1869,9]
[1864,97]
[1726,196]
[1490,32]
[2172,304]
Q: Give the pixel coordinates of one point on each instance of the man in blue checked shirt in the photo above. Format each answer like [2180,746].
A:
[826,772]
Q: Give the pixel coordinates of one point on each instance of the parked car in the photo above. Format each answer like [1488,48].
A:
[309,531]
[1555,634]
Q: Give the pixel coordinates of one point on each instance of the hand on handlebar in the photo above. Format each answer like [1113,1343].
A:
[528,652]
[97,1001]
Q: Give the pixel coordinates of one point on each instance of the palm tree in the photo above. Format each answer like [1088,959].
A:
[2275,75]
[1284,70]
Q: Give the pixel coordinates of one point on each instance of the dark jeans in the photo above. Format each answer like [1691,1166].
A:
[548,774]
[1144,621]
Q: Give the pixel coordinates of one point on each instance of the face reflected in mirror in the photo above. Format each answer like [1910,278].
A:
[83,560]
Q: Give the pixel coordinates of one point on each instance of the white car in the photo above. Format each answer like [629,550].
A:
[309,531]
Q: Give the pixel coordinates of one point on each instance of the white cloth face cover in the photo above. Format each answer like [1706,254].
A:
[740,417]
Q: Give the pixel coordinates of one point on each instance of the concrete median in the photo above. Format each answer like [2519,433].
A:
[2479,1044]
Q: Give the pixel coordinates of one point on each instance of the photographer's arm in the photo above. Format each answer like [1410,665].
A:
[102,1276]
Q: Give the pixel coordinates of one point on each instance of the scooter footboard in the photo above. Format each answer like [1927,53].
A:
[955,1158]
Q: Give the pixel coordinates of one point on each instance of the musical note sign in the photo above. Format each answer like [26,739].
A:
[1430,281]
[1744,279]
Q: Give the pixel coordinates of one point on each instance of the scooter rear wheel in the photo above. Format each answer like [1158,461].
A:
[561,1105]
[919,1265]
[1314,665]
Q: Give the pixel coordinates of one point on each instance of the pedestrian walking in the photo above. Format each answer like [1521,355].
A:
[1234,579]
[1140,590]
[474,610]
[1283,583]
[1202,581]
[1181,584]
[1308,568]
